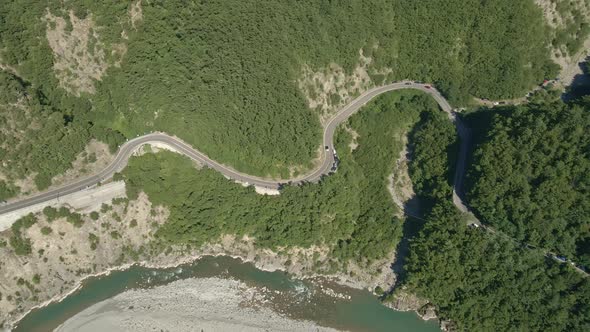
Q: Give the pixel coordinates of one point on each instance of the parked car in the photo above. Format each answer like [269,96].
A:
[327,148]
[408,83]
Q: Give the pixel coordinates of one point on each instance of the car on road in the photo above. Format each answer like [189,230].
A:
[327,148]
[408,83]
[2,202]
[427,86]
[561,259]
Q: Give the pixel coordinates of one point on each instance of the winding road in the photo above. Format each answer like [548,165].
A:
[127,149]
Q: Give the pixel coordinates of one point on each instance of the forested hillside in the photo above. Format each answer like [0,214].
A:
[223,75]
[350,212]
[482,280]
[531,176]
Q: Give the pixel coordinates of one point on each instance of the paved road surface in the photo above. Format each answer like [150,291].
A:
[127,149]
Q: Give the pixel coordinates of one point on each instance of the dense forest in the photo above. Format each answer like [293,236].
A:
[222,74]
[433,142]
[530,175]
[351,211]
[483,280]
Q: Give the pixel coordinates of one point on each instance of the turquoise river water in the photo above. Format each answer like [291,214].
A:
[362,312]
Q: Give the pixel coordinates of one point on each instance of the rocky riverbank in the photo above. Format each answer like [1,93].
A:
[62,252]
[119,235]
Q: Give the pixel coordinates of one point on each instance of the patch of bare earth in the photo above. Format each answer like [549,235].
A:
[400,185]
[135,14]
[80,56]
[330,88]
[354,141]
[569,62]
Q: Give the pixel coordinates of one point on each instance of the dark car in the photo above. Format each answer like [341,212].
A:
[327,148]
[408,83]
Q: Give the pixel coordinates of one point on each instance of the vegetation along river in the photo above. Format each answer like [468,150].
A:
[354,310]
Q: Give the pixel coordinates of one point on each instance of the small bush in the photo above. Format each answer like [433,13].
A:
[24,222]
[46,230]
[21,245]
[93,239]
[105,208]
[51,213]
[75,219]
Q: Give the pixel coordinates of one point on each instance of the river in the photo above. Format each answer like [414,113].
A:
[361,312]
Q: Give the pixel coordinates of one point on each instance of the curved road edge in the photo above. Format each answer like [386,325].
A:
[129,147]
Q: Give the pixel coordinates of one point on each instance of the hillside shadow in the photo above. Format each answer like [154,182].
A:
[580,85]
[414,209]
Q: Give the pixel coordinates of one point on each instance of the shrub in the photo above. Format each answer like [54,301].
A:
[46,230]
